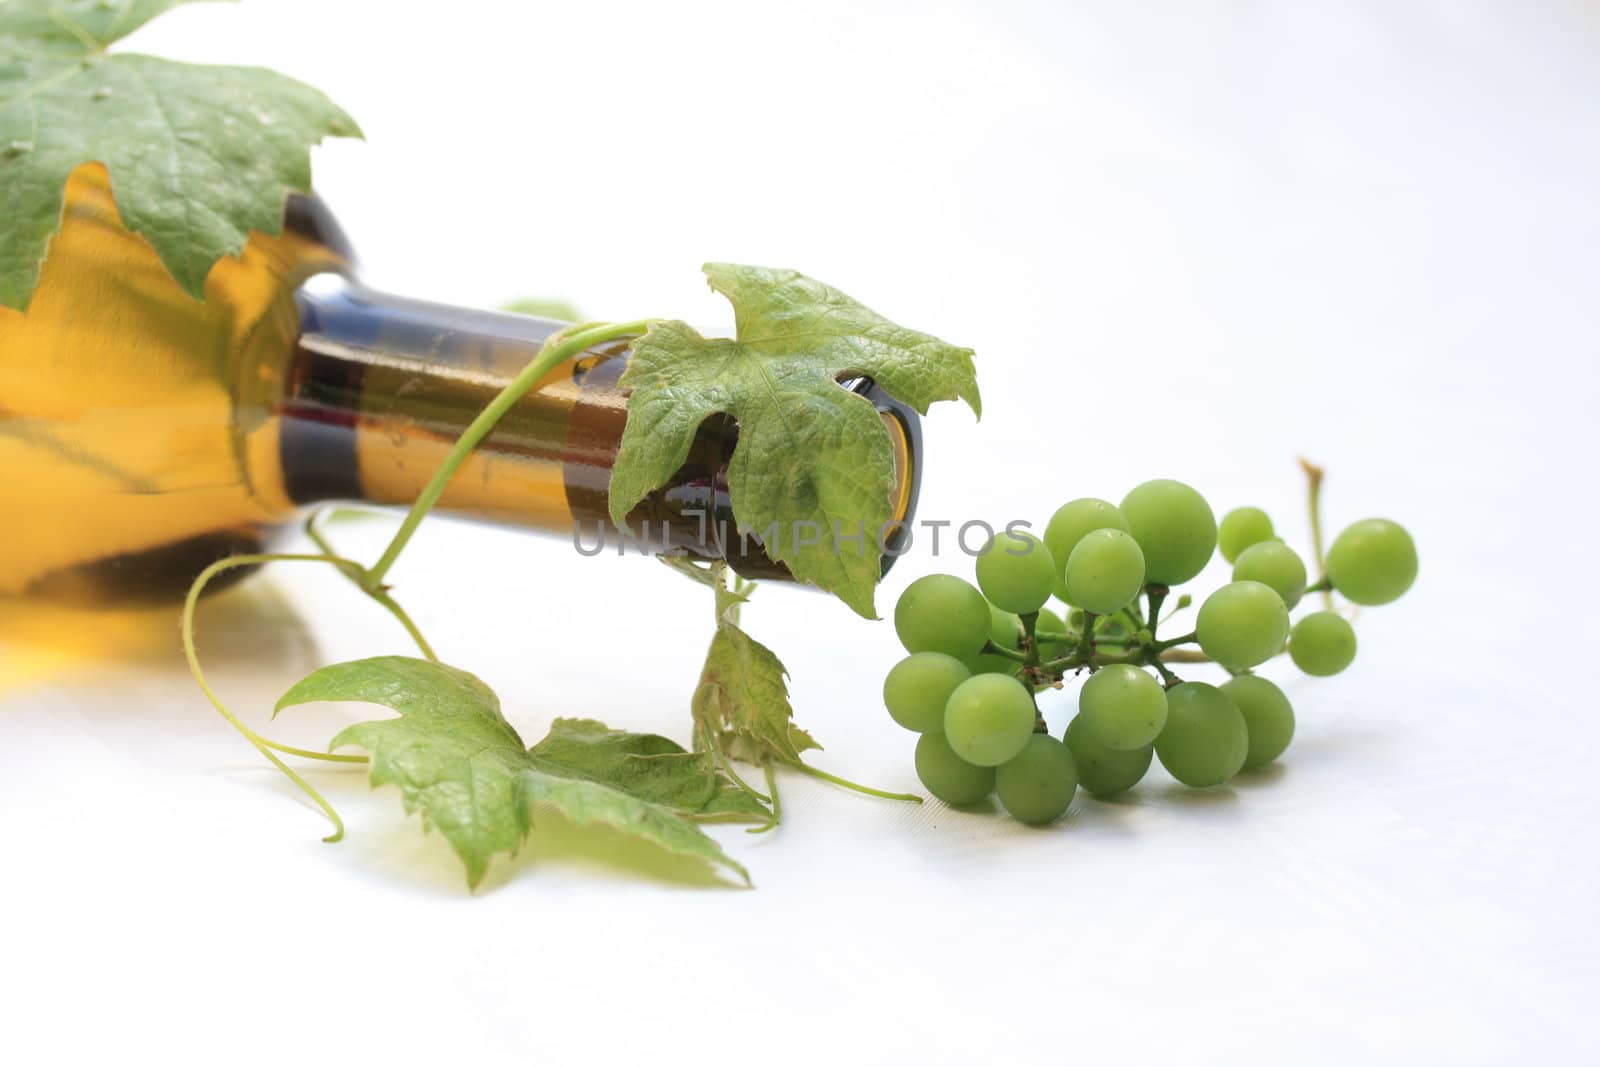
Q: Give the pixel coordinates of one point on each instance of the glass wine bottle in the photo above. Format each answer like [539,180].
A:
[145,434]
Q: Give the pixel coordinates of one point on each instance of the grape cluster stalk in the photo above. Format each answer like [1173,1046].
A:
[979,656]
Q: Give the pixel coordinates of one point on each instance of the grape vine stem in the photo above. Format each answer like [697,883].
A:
[262,745]
[555,352]
[818,772]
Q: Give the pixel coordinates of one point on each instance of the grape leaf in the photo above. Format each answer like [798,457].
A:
[541,307]
[809,451]
[199,156]
[648,766]
[741,706]
[460,764]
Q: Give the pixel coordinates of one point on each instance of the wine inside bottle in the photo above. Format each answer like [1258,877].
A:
[145,434]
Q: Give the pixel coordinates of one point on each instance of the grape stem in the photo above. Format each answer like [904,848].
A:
[817,772]
[1140,656]
[1162,646]
[1030,667]
[1156,593]
[1168,679]
[1183,602]
[1086,639]
[1314,476]
[992,649]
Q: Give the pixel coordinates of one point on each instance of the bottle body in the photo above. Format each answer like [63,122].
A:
[144,434]
[131,414]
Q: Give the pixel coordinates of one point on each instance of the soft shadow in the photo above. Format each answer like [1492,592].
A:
[1114,815]
[390,845]
[989,805]
[1126,800]
[1271,774]
[555,840]
[43,642]
[1184,796]
[254,624]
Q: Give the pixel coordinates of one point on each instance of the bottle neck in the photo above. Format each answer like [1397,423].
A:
[381,387]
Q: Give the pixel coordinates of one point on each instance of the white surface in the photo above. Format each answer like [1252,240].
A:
[1191,242]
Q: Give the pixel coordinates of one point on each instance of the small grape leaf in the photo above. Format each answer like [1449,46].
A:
[648,766]
[545,308]
[460,764]
[199,156]
[741,705]
[812,457]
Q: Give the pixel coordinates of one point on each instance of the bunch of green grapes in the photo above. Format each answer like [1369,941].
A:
[980,655]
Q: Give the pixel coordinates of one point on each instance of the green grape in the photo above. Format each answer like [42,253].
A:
[1123,708]
[1103,771]
[1074,519]
[942,613]
[1005,630]
[1051,623]
[1105,572]
[1174,526]
[1276,564]
[1322,643]
[948,776]
[1372,561]
[1241,528]
[1016,572]
[1268,718]
[1036,785]
[1112,629]
[1205,740]
[919,686]
[1242,624]
[988,719]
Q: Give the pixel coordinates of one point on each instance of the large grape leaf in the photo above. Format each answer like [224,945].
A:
[458,762]
[812,457]
[199,156]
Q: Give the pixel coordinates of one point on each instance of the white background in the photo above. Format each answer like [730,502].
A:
[1187,240]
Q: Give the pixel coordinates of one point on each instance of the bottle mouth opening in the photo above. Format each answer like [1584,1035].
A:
[905,438]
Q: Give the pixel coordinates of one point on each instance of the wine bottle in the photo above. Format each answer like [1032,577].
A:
[145,434]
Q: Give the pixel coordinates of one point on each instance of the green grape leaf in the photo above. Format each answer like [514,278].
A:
[199,156]
[647,766]
[546,308]
[741,705]
[458,762]
[812,458]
